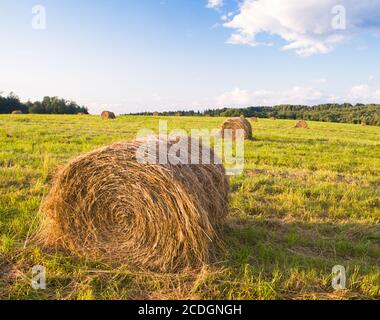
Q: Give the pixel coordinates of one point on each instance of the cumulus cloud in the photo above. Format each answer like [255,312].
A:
[235,97]
[308,27]
[214,4]
[296,95]
[364,94]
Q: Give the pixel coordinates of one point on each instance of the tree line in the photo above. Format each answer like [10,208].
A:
[368,114]
[48,105]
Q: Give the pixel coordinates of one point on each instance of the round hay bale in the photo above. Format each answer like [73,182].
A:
[235,124]
[178,114]
[156,114]
[273,118]
[108,115]
[254,119]
[17,112]
[105,205]
[302,124]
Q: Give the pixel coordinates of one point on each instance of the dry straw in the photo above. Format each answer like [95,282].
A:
[302,124]
[108,115]
[254,119]
[17,112]
[236,124]
[107,206]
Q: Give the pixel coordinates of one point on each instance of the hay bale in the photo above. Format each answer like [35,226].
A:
[156,114]
[302,124]
[178,114]
[107,206]
[254,119]
[235,124]
[108,115]
[17,112]
[273,118]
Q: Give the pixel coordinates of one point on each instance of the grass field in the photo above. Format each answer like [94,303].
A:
[308,200]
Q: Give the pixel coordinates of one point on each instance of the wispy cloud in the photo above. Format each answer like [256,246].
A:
[214,4]
[294,95]
[319,81]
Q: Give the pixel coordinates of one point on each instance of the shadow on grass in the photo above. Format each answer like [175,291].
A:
[263,259]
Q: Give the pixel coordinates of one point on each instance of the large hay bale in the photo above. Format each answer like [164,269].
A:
[17,112]
[107,206]
[156,114]
[235,124]
[108,115]
[254,119]
[302,124]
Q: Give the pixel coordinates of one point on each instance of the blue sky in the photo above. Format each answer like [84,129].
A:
[148,55]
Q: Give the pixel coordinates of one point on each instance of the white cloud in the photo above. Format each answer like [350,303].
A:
[295,95]
[224,17]
[319,81]
[235,97]
[371,77]
[214,4]
[308,27]
[364,94]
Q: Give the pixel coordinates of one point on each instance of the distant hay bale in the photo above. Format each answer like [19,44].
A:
[107,206]
[254,119]
[302,124]
[156,114]
[17,112]
[235,124]
[108,115]
[80,113]
[178,114]
[272,118]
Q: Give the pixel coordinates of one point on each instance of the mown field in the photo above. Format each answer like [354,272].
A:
[308,200]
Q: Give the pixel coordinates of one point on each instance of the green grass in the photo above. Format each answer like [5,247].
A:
[308,200]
